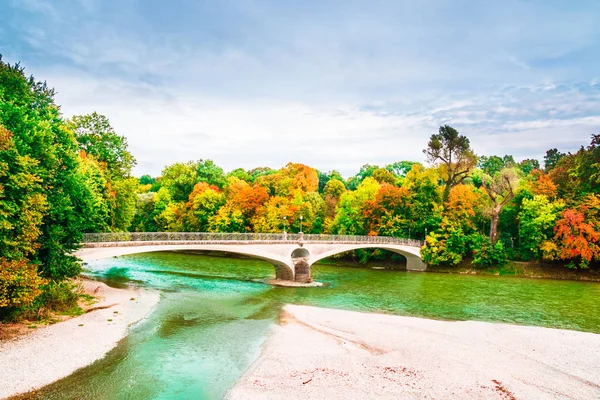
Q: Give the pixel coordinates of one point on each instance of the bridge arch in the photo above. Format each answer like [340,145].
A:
[283,269]
[300,252]
[412,255]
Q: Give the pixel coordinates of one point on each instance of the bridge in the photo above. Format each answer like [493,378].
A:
[292,255]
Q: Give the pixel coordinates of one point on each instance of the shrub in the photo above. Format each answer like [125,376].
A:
[20,284]
[58,296]
[486,254]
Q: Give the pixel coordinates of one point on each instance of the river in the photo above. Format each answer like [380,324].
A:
[214,317]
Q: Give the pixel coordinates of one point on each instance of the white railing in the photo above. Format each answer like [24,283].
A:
[112,237]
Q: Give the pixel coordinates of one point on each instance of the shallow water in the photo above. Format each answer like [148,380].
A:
[213,318]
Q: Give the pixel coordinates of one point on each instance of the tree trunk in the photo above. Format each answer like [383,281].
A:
[494,224]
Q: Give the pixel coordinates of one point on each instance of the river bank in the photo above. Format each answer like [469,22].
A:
[336,354]
[53,352]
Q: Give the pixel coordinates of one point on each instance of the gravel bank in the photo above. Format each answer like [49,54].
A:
[51,353]
[332,354]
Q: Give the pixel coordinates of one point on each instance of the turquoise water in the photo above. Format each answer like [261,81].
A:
[213,318]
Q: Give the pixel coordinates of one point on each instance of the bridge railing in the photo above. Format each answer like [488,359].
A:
[241,237]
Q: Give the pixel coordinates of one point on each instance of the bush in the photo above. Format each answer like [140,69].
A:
[20,285]
[59,296]
[486,254]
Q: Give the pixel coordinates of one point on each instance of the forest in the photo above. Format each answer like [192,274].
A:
[63,177]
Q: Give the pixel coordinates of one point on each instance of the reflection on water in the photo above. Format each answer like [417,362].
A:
[213,318]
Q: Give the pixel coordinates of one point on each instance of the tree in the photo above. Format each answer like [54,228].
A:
[552,158]
[426,200]
[324,178]
[365,172]
[334,188]
[540,183]
[241,174]
[204,202]
[179,179]
[41,140]
[501,189]
[536,224]
[349,219]
[290,179]
[389,213]
[529,165]
[575,240]
[19,284]
[207,171]
[97,137]
[400,168]
[124,201]
[384,176]
[22,202]
[491,165]
[453,153]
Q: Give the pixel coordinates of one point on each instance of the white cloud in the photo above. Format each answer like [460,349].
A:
[251,85]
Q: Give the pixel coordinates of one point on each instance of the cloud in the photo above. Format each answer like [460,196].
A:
[334,85]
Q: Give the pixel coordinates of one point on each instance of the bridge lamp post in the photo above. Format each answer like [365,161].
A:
[301,223]
[284,222]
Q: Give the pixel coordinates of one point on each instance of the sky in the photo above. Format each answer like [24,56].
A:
[334,84]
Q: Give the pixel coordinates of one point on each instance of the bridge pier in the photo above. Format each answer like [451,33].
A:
[283,272]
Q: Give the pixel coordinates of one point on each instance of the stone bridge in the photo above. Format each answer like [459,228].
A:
[291,254]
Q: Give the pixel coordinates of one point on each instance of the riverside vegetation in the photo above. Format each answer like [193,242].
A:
[62,177]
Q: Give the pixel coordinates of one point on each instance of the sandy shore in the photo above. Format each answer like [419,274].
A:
[50,353]
[332,354]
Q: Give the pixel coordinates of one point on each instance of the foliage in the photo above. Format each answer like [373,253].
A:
[349,218]
[44,151]
[487,254]
[453,153]
[551,159]
[97,137]
[179,180]
[575,240]
[19,284]
[537,219]
[207,171]
[501,188]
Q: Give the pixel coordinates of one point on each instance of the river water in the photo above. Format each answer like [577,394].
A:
[213,317]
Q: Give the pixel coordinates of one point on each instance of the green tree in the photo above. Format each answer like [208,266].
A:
[179,179]
[97,137]
[349,219]
[207,171]
[453,153]
[124,200]
[28,111]
[529,165]
[536,223]
[365,172]
[552,158]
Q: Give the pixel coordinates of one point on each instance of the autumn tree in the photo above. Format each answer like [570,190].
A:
[453,154]
[389,213]
[575,240]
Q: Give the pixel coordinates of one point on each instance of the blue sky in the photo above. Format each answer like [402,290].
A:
[333,84]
